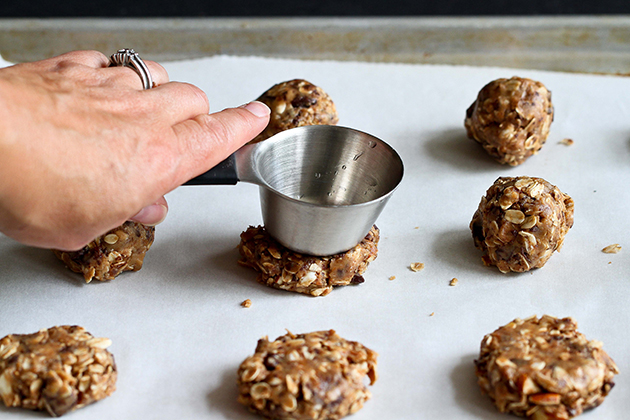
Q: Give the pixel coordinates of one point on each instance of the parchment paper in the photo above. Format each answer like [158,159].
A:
[179,332]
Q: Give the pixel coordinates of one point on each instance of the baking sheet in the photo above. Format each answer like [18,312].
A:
[179,332]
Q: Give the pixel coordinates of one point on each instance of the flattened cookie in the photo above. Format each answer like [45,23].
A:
[55,370]
[296,103]
[314,376]
[520,222]
[284,269]
[510,119]
[120,249]
[544,369]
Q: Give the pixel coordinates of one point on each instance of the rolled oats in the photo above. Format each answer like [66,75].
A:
[524,234]
[55,370]
[120,249]
[544,369]
[417,266]
[612,249]
[295,103]
[510,118]
[284,269]
[314,376]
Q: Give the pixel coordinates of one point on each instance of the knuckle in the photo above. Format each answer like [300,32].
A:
[198,95]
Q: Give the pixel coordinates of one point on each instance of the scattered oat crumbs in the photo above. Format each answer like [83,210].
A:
[453,281]
[246,303]
[416,266]
[392,277]
[612,249]
[432,313]
[567,142]
[417,227]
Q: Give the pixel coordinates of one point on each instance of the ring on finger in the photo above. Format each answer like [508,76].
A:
[127,57]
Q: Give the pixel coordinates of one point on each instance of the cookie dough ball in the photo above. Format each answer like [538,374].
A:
[55,370]
[314,376]
[511,119]
[520,222]
[284,269]
[296,103]
[544,369]
[120,249]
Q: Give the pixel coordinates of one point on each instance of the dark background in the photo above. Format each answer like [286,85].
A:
[261,8]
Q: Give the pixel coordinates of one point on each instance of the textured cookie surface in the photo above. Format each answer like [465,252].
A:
[120,249]
[295,103]
[55,370]
[544,369]
[314,376]
[511,119]
[284,269]
[520,222]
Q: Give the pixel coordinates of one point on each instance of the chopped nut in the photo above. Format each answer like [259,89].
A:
[246,303]
[453,282]
[545,398]
[612,249]
[417,266]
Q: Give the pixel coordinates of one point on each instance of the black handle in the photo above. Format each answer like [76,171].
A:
[222,174]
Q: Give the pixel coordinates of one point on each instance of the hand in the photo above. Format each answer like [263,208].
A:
[83,148]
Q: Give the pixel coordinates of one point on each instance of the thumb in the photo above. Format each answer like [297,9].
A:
[207,139]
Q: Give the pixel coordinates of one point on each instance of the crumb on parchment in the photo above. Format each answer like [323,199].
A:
[417,266]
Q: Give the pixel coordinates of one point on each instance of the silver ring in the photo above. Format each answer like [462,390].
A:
[127,57]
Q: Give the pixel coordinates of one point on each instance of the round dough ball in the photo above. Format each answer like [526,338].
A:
[520,222]
[511,119]
[296,103]
[314,376]
[544,369]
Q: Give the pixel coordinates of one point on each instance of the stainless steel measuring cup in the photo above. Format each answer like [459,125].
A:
[321,187]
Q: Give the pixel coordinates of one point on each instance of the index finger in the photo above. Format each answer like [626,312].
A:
[206,140]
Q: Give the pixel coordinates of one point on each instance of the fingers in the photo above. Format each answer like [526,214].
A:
[127,76]
[206,140]
[153,214]
[118,76]
[178,101]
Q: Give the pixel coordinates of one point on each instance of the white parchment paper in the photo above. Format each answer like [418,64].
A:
[179,332]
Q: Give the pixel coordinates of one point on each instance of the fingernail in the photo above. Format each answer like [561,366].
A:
[151,215]
[258,109]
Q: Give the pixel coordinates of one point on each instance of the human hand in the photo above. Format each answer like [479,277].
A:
[83,148]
